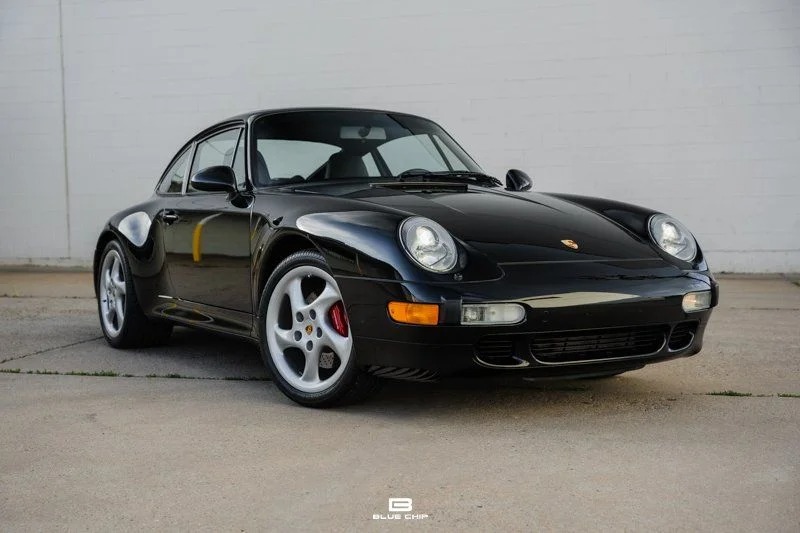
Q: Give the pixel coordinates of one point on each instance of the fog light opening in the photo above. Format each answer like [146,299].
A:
[696,301]
[482,314]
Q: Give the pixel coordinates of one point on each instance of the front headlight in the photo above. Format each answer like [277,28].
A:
[673,237]
[428,244]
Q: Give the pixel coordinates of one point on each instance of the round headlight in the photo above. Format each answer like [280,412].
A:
[428,244]
[673,237]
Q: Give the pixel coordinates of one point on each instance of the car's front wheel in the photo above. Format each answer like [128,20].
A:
[305,337]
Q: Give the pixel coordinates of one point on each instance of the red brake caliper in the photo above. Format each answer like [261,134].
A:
[338,318]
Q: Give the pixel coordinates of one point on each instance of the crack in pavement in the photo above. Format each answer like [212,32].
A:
[45,350]
[35,297]
[112,374]
[766,308]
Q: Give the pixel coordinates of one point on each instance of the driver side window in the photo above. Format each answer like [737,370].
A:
[216,150]
[172,182]
[238,164]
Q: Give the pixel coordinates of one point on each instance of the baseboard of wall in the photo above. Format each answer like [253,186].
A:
[62,264]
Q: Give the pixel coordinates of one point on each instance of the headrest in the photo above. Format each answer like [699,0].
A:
[262,173]
[343,165]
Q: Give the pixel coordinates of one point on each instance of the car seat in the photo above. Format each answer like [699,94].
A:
[262,173]
[343,165]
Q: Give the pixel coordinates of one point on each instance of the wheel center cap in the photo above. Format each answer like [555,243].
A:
[309,329]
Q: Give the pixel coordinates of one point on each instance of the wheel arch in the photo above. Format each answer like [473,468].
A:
[282,246]
[105,237]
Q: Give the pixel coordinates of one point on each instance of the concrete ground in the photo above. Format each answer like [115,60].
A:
[650,450]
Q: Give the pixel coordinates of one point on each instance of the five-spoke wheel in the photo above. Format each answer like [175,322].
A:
[307,330]
[112,293]
[121,317]
[305,335]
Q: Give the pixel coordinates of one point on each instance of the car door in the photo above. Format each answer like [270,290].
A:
[207,235]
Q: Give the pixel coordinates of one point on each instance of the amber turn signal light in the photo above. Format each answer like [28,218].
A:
[408,313]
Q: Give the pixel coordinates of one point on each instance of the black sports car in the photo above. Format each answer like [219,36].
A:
[354,245]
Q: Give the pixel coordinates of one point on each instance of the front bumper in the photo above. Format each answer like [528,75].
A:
[581,319]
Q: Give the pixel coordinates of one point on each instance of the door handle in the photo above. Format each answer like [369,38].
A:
[170,217]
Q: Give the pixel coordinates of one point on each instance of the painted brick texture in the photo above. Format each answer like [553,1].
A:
[690,107]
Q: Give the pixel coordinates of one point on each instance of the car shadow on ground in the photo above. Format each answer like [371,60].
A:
[515,397]
[194,353]
[207,355]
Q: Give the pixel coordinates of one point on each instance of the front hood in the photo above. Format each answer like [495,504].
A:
[511,227]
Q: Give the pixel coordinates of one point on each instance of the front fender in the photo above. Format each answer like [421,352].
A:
[366,244]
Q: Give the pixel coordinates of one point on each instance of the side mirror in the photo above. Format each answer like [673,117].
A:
[517,180]
[214,179]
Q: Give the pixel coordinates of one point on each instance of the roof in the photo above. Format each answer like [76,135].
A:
[262,112]
[252,115]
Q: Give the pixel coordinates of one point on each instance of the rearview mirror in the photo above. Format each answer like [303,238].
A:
[517,180]
[214,179]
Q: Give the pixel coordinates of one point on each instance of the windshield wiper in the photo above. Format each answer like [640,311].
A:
[459,175]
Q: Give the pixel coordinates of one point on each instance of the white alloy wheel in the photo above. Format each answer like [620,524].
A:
[303,341]
[112,293]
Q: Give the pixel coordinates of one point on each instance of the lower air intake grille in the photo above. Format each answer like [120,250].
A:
[408,374]
[498,351]
[682,335]
[587,345]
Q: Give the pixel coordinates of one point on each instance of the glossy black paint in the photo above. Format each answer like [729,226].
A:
[207,250]
[517,180]
[215,179]
[203,258]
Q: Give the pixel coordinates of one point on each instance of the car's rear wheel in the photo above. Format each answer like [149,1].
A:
[305,337]
[123,322]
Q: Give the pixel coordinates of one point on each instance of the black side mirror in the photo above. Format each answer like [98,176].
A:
[517,180]
[214,179]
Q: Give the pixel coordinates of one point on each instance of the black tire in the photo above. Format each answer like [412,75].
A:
[354,384]
[137,330]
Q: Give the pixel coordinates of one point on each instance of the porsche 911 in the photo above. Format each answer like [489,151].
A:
[357,245]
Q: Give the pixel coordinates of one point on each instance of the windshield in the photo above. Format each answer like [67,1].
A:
[308,146]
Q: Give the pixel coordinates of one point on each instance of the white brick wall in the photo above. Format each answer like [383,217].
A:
[33,207]
[688,106]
